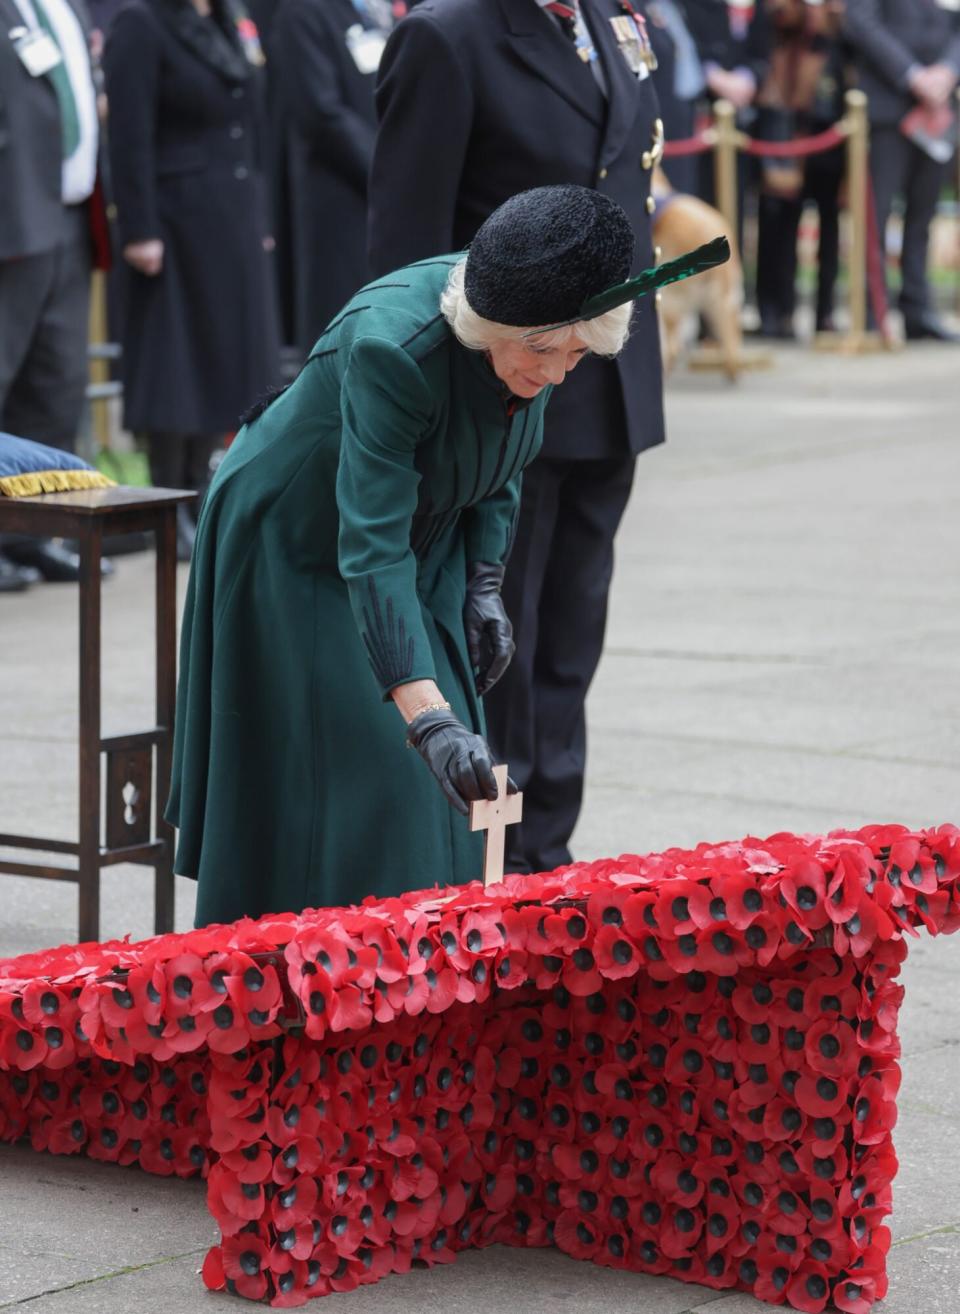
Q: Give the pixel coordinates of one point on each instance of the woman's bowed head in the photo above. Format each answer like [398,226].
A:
[546,280]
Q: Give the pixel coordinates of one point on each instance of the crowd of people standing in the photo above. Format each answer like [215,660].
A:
[262,164]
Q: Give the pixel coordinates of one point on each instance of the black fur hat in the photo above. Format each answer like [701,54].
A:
[544,253]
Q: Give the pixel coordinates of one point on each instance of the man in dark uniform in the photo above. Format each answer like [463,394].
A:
[478,100]
[908,57]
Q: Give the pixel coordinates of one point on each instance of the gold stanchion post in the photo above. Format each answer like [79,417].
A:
[857,199]
[725,161]
[727,141]
[856,128]
[99,366]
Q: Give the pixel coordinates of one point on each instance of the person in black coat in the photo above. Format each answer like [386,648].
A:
[323,59]
[907,55]
[479,100]
[200,337]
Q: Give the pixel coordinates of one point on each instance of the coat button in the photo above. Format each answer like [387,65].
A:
[240,172]
[657,298]
[651,205]
[236,131]
[237,93]
[657,252]
[602,174]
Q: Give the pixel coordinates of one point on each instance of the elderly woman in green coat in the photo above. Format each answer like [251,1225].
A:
[345,580]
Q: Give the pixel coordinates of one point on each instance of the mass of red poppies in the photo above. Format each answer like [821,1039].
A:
[684,1064]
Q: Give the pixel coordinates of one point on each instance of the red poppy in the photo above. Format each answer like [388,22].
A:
[21,1048]
[244,1259]
[809,1288]
[391,958]
[214,1278]
[188,989]
[803,885]
[743,898]
[854,873]
[671,910]
[821,1096]
[874,1113]
[45,1004]
[576,1235]
[616,954]
[67,1134]
[677,1181]
[870,922]
[722,1220]
[680,1230]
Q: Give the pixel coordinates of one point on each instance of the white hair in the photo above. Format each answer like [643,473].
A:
[604,336]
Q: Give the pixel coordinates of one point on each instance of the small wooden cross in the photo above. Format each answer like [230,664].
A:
[494,816]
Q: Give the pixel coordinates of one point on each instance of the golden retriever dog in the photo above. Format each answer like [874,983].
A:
[680,223]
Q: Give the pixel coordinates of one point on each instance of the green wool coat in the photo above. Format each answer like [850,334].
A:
[330,566]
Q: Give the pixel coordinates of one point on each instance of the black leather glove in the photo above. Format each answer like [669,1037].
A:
[489,632]
[460,760]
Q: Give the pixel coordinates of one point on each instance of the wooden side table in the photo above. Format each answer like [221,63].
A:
[137,764]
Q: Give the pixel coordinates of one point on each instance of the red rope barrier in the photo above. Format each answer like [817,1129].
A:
[820,141]
[687,146]
[701,141]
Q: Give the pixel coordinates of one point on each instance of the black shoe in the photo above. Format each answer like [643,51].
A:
[186,532]
[928,328]
[56,564]
[14,578]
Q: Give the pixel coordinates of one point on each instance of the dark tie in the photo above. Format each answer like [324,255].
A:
[567,14]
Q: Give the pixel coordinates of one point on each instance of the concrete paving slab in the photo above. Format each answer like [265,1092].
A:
[99,1216]
[931,1088]
[171,1284]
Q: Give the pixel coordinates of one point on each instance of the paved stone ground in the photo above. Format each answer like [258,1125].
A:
[782,654]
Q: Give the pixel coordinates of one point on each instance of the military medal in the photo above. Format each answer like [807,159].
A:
[250,40]
[633,26]
[629,42]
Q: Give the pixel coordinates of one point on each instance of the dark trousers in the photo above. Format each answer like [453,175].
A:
[899,167]
[777,228]
[44,306]
[555,593]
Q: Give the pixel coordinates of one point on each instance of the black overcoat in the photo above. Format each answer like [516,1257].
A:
[501,103]
[200,340]
[323,124]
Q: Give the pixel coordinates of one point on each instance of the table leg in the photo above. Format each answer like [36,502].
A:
[166,641]
[91,544]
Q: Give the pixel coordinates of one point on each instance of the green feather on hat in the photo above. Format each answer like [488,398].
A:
[691,263]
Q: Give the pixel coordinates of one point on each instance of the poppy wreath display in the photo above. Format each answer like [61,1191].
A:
[684,1063]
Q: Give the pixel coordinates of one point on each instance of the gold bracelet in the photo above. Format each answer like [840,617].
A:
[431,707]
